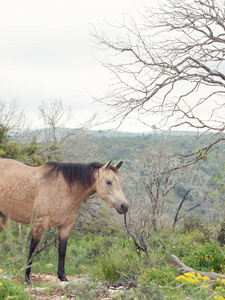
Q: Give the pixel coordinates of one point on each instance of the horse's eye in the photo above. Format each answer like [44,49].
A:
[109,182]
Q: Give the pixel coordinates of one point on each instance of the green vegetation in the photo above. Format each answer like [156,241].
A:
[10,288]
[33,153]
[111,258]
[101,251]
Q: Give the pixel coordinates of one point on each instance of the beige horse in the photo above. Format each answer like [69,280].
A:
[51,196]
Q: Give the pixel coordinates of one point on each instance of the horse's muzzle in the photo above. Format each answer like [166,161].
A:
[123,208]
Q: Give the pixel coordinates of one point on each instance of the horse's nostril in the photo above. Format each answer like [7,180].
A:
[124,207]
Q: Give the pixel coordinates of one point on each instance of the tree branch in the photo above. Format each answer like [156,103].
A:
[212,275]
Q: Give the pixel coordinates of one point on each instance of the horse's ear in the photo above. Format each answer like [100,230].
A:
[106,166]
[118,165]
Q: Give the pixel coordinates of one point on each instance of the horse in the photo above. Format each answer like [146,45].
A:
[51,196]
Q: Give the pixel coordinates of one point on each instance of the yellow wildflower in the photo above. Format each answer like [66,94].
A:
[189,274]
[205,286]
[218,297]
[192,280]
[181,278]
[0,283]
[205,278]
[223,280]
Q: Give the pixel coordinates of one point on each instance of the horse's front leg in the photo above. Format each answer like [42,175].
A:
[64,232]
[61,259]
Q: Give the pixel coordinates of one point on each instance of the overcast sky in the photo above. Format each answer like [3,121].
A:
[46,52]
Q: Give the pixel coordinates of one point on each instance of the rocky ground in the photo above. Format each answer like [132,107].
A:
[53,289]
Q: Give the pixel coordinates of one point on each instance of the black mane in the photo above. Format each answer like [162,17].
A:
[76,173]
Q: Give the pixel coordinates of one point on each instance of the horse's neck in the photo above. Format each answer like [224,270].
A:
[82,193]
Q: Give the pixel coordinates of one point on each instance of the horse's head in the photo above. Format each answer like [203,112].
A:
[108,187]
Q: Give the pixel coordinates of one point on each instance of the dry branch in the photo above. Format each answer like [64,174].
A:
[45,244]
[212,275]
[167,71]
[139,241]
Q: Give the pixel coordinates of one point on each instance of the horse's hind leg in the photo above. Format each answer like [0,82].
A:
[3,221]
[37,233]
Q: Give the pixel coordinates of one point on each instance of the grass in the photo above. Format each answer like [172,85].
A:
[10,288]
[114,258]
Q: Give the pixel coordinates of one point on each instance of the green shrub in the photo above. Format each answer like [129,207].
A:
[162,276]
[182,244]
[148,291]
[10,288]
[119,263]
[84,290]
[145,291]
[206,257]
[111,267]
[192,223]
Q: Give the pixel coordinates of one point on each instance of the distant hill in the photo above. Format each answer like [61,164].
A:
[117,133]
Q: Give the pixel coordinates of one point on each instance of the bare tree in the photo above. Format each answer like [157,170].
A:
[148,197]
[59,138]
[11,116]
[157,181]
[150,194]
[197,192]
[13,122]
[155,186]
[54,115]
[170,65]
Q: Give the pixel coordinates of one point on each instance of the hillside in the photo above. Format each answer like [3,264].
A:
[129,147]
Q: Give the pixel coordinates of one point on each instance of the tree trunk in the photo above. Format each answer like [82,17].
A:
[184,268]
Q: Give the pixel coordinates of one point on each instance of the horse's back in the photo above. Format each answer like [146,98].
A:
[10,168]
[8,164]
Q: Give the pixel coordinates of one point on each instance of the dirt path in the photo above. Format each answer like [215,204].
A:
[53,289]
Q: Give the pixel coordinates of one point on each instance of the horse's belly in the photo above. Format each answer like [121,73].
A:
[17,213]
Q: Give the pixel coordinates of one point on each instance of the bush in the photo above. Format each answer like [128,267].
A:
[162,276]
[119,262]
[10,288]
[206,257]
[84,290]
[192,223]
[145,291]
[148,291]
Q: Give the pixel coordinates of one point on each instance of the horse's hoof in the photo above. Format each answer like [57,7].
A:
[63,278]
[28,282]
